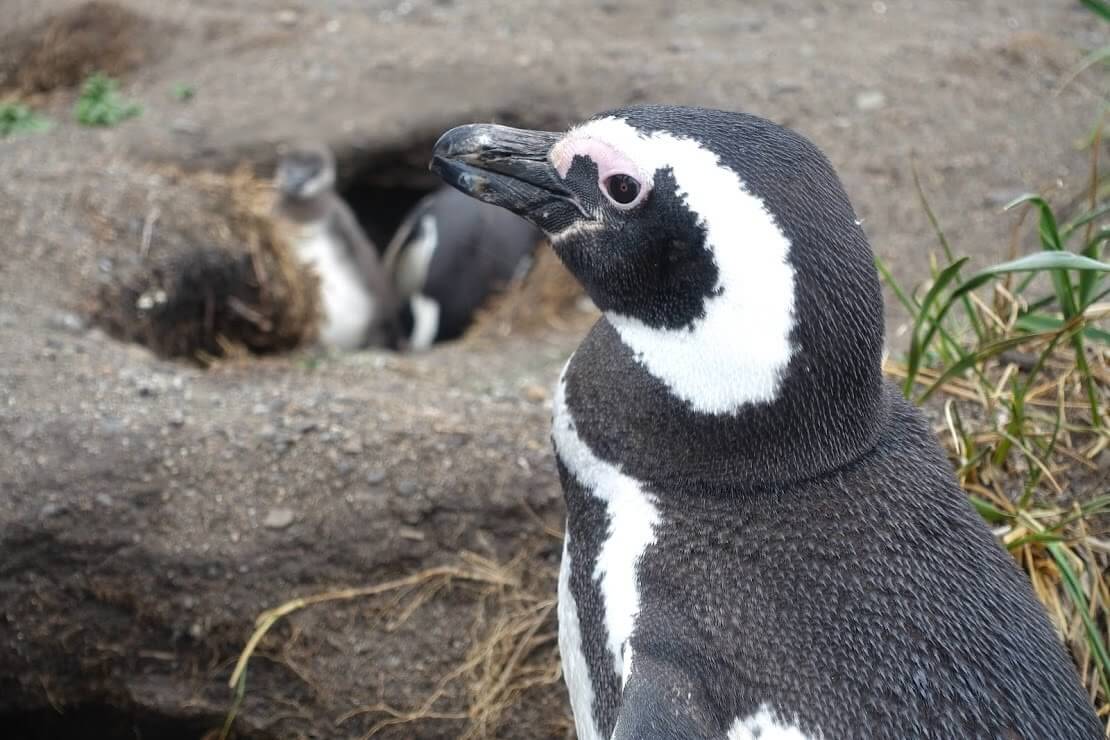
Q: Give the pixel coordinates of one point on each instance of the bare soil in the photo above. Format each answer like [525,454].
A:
[151,509]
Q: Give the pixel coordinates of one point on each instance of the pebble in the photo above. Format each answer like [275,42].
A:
[49,511]
[535,393]
[375,476]
[186,126]
[360,498]
[279,518]
[67,321]
[870,100]
[410,533]
[407,487]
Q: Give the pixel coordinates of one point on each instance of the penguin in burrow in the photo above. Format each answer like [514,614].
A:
[358,303]
[448,256]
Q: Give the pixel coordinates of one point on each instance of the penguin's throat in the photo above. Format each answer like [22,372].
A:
[786,423]
[720,363]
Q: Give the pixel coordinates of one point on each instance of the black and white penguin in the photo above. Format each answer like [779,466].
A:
[764,540]
[449,254]
[358,304]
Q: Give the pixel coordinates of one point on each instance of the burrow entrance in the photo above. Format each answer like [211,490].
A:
[218,275]
[382,188]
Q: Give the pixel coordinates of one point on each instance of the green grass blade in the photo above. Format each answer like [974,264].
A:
[1038,262]
[975,358]
[1088,282]
[1050,234]
[888,277]
[1088,378]
[913,309]
[1075,591]
[1038,323]
[1051,241]
[1092,508]
[1038,537]
[972,315]
[989,511]
[918,343]
[1083,220]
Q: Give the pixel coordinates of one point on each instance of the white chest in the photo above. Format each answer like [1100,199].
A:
[416,259]
[765,725]
[346,304]
[576,672]
[632,519]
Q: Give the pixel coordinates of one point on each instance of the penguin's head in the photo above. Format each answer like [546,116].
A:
[689,226]
[305,170]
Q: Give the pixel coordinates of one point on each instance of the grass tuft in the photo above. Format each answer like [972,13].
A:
[183,92]
[16,118]
[1018,354]
[100,103]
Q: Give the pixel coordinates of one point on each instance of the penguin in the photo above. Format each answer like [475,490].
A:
[763,538]
[447,256]
[358,304]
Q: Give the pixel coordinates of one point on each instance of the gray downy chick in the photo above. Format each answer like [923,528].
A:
[357,301]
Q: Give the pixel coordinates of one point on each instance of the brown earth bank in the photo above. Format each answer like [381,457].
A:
[151,509]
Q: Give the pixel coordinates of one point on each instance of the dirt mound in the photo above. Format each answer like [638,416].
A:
[208,299]
[66,48]
[548,297]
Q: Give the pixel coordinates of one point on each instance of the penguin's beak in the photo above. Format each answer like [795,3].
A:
[507,167]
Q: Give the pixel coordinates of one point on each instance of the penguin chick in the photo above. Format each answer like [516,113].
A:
[358,304]
[763,538]
[449,254]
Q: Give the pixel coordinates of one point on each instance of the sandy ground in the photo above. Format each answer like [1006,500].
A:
[150,510]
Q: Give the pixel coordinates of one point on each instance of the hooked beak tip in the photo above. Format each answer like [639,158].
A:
[460,143]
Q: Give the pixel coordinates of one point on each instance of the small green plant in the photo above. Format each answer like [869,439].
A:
[183,92]
[100,103]
[16,118]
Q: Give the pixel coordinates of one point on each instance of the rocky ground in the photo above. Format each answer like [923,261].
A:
[149,509]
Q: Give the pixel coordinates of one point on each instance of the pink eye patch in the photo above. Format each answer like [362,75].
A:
[609,161]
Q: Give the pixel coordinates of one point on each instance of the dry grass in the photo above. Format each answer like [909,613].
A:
[234,288]
[1018,355]
[512,638]
[547,298]
[66,48]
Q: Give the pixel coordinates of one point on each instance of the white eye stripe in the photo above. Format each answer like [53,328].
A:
[738,352]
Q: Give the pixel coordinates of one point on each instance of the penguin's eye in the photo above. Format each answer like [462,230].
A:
[623,189]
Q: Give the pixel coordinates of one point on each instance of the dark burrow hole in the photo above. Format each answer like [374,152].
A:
[381,189]
[107,722]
